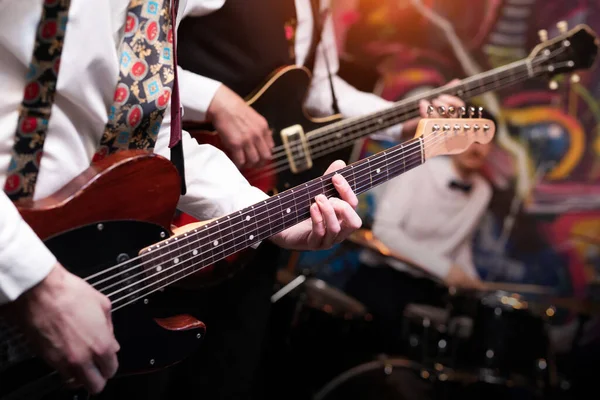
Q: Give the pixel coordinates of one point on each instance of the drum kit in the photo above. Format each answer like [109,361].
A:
[493,342]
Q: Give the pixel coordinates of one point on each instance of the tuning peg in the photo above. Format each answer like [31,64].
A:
[479,112]
[543,34]
[466,127]
[562,26]
[442,110]
[486,127]
[456,127]
[476,127]
[462,111]
[471,112]
[451,110]
[446,128]
[575,78]
[553,85]
[436,127]
[429,110]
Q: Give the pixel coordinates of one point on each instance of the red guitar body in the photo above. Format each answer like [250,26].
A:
[107,214]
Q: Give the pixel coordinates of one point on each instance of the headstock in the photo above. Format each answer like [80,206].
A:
[569,51]
[443,136]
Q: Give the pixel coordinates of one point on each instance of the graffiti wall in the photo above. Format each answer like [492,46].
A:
[543,224]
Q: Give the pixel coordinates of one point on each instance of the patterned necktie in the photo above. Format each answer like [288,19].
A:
[145,80]
[38,98]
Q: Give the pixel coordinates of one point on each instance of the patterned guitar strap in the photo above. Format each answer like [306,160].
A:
[147,81]
[38,98]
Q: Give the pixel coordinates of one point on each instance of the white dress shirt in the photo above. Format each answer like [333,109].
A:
[85,88]
[197,91]
[421,218]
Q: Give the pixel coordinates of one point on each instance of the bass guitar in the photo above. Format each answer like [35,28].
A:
[111,226]
[305,145]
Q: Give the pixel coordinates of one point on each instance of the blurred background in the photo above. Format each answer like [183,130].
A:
[543,224]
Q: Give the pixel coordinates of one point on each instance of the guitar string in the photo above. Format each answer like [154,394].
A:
[405,103]
[257,215]
[131,260]
[383,158]
[174,276]
[320,133]
[19,335]
[282,163]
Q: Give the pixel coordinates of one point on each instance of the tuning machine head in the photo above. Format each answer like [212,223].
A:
[563,26]
[429,110]
[462,111]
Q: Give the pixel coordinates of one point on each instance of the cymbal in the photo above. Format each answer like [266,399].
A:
[322,296]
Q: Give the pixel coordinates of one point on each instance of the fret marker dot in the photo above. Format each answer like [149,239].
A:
[288,211]
[195,252]
[158,269]
[248,218]
[251,237]
[216,243]
[176,260]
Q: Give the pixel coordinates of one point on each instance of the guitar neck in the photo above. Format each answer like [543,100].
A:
[349,130]
[182,255]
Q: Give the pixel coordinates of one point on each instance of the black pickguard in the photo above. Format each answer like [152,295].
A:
[145,345]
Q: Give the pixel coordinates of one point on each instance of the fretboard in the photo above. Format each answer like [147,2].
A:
[348,131]
[182,255]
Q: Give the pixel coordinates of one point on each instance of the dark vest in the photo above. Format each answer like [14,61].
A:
[240,44]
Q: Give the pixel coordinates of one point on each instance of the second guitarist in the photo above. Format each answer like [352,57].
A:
[227,49]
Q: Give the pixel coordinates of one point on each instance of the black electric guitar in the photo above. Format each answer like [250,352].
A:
[102,227]
[304,146]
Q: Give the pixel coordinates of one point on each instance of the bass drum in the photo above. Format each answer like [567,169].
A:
[403,379]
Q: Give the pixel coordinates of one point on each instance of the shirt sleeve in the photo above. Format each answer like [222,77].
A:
[197,91]
[215,187]
[198,8]
[392,209]
[24,259]
[351,101]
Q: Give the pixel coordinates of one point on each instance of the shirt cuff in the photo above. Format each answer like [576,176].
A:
[24,262]
[197,92]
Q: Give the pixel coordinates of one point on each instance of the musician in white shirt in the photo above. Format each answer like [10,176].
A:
[427,218]
[67,320]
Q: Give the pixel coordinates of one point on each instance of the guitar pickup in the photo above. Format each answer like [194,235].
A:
[296,148]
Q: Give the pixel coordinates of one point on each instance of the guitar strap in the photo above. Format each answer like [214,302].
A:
[38,99]
[39,95]
[319,20]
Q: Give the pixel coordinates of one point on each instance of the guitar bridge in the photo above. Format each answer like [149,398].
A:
[296,148]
